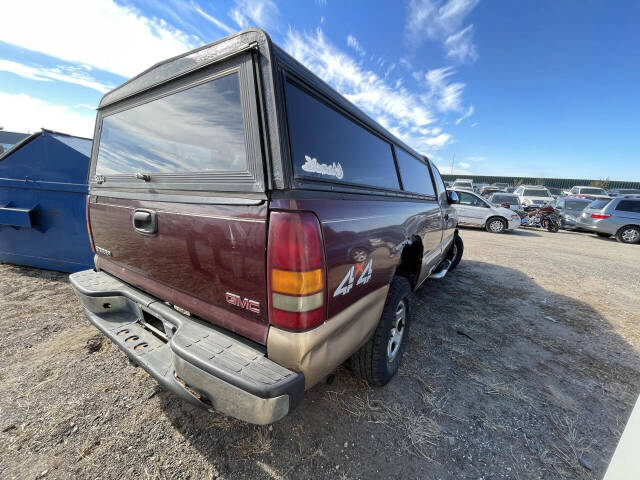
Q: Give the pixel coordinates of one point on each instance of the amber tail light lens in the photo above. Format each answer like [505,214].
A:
[296,271]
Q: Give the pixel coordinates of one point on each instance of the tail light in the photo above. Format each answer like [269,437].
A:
[296,271]
[89,226]
[600,215]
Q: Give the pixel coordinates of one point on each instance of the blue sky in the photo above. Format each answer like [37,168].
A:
[538,88]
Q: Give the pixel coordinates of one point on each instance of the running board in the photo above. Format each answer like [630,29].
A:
[445,265]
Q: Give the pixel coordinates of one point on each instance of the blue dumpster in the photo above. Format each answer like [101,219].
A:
[43,193]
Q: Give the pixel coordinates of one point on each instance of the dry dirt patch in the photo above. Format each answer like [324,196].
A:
[523,363]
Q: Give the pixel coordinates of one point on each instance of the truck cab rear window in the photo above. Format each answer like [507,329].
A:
[199,129]
[326,145]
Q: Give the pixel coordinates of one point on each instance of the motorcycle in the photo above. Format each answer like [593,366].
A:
[545,218]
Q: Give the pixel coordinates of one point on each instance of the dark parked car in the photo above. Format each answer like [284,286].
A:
[555,192]
[254,230]
[488,190]
[618,216]
[624,192]
[569,209]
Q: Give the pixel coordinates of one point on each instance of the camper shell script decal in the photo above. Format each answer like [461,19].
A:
[312,165]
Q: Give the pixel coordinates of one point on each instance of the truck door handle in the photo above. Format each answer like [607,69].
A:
[145,221]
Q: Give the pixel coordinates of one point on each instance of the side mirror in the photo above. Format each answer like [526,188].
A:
[505,205]
[452,197]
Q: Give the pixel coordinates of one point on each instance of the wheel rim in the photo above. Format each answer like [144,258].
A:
[496,226]
[397,331]
[631,235]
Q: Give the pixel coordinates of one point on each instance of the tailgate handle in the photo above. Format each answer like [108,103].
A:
[145,221]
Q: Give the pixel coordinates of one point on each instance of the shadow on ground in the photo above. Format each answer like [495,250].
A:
[502,379]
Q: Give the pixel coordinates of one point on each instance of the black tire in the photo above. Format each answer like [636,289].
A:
[371,362]
[552,226]
[603,235]
[455,252]
[496,225]
[629,234]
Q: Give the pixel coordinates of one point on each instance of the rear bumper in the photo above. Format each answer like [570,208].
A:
[603,225]
[200,363]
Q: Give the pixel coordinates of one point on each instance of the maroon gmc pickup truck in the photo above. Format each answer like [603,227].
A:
[254,230]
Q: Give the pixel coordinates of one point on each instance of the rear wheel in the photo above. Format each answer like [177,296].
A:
[379,359]
[628,234]
[496,225]
[603,235]
[552,226]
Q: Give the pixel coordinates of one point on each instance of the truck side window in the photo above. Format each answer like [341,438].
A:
[326,145]
[414,173]
[440,188]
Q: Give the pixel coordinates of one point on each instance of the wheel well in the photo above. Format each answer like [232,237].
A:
[497,216]
[411,261]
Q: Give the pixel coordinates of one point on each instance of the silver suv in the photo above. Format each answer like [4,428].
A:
[533,196]
[588,192]
[617,216]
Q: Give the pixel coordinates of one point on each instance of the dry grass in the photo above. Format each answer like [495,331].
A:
[420,430]
[258,442]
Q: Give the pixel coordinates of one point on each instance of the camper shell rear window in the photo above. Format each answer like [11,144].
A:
[199,129]
[196,133]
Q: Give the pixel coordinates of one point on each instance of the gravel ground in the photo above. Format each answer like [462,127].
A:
[523,363]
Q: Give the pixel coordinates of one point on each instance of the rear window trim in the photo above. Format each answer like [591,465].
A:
[303,181]
[250,180]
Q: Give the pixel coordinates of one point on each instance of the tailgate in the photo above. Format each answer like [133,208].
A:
[198,258]
[177,204]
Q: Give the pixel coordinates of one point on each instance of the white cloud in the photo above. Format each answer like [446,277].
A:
[23,113]
[76,75]
[445,168]
[218,23]
[438,141]
[261,13]
[442,20]
[405,114]
[353,43]
[445,95]
[464,165]
[460,45]
[99,33]
[466,115]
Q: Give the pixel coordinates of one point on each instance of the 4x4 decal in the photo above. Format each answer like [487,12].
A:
[347,282]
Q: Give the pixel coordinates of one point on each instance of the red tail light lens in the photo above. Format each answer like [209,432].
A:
[296,271]
[600,215]
[89,226]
